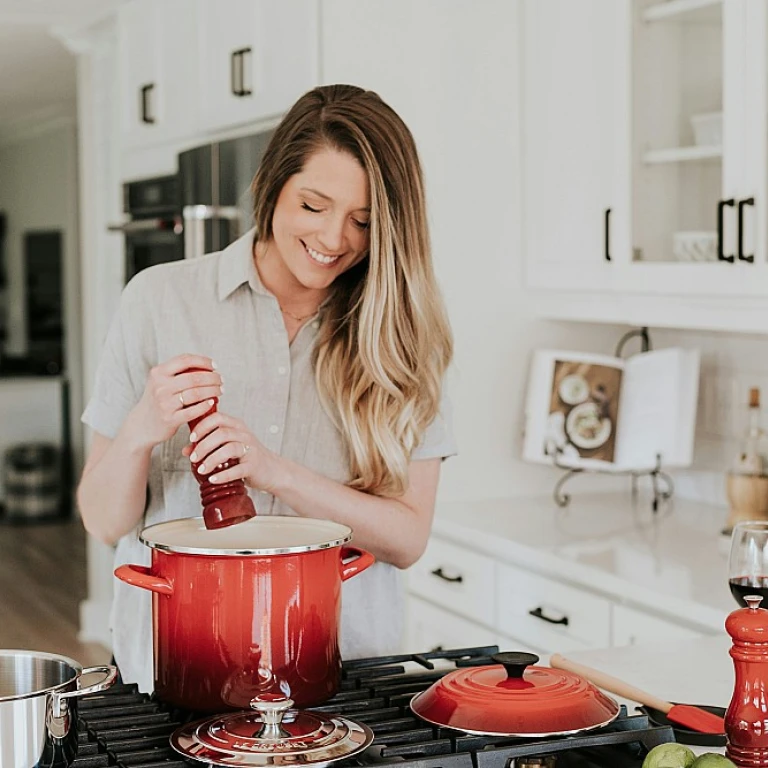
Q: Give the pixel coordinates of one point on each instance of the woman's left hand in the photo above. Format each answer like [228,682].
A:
[219,438]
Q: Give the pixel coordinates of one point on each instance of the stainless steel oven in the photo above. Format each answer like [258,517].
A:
[201,209]
[154,227]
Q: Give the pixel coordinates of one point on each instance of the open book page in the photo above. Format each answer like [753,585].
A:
[658,409]
[572,408]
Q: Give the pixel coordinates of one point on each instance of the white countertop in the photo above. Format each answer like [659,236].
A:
[694,672]
[673,561]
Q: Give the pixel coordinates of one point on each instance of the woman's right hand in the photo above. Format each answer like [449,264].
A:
[174,395]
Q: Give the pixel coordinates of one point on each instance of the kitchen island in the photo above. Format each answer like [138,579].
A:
[604,571]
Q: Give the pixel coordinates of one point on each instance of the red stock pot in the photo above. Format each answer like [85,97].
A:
[246,610]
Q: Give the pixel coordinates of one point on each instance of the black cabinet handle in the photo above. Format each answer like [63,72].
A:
[237,72]
[539,614]
[608,234]
[720,213]
[146,114]
[453,579]
[234,72]
[243,90]
[742,205]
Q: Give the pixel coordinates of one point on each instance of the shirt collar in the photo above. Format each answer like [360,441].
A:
[236,266]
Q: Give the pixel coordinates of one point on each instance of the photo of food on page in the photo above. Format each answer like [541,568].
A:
[583,408]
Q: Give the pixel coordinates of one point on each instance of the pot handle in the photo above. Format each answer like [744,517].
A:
[362,561]
[110,675]
[141,576]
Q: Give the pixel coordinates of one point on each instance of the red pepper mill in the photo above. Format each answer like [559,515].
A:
[223,503]
[746,721]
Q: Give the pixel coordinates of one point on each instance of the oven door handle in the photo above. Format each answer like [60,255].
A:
[174,224]
[195,217]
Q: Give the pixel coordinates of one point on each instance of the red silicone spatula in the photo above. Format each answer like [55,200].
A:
[691,717]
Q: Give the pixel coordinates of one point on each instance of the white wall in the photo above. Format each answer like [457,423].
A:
[450,68]
[38,191]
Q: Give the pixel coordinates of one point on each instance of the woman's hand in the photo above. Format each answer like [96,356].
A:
[174,396]
[219,438]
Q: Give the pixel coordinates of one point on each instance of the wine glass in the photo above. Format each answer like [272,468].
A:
[748,562]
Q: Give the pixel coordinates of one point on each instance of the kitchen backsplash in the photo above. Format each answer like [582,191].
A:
[730,366]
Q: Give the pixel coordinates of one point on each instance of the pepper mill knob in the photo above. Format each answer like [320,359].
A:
[746,721]
[227,503]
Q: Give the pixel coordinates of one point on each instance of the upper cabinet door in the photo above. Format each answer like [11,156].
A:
[257,57]
[575,92]
[688,129]
[158,71]
[139,49]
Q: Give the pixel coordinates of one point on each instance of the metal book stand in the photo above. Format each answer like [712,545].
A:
[661,482]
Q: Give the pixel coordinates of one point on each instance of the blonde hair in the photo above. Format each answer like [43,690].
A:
[385,341]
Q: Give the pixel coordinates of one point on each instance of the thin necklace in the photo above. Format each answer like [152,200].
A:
[298,318]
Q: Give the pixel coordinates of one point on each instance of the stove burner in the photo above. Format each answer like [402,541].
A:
[127,729]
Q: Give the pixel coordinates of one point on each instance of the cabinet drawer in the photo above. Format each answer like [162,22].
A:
[460,580]
[632,627]
[548,614]
[430,628]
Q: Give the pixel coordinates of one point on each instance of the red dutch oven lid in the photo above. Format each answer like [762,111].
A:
[514,698]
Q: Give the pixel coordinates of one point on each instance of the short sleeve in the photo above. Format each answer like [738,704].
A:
[126,358]
[438,440]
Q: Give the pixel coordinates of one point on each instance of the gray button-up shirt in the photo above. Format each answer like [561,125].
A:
[217,306]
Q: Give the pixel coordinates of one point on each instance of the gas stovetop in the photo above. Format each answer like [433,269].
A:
[128,729]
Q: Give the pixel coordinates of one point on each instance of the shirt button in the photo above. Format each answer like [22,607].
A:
[316,324]
[274,429]
[281,370]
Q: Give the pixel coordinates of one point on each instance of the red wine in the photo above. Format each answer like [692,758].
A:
[742,586]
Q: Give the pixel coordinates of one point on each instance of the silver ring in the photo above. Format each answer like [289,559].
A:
[246,448]
[181,400]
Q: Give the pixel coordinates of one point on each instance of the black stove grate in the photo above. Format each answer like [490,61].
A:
[128,729]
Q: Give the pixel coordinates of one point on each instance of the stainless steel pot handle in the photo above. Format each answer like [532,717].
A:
[59,703]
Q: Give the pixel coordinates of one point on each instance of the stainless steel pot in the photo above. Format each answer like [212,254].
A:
[38,707]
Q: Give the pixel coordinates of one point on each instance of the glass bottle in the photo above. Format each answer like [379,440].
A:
[750,460]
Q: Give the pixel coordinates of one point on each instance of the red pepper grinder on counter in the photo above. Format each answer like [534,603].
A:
[223,503]
[746,721]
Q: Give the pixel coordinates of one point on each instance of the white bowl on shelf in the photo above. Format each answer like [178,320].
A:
[694,246]
[708,129]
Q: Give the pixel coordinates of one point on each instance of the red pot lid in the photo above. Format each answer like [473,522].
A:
[514,698]
[274,735]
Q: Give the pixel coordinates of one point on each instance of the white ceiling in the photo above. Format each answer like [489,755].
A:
[37,73]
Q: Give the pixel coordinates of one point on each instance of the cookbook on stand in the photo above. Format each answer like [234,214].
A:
[588,411]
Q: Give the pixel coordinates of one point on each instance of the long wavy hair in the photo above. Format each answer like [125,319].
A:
[385,341]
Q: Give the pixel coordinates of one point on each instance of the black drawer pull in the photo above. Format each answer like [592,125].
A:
[608,234]
[539,614]
[453,579]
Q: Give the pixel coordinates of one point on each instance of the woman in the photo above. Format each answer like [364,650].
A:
[331,342]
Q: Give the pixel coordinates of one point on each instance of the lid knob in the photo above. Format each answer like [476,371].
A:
[272,708]
[515,662]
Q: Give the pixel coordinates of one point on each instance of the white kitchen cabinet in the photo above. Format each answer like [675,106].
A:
[430,628]
[457,579]
[574,70]
[256,58]
[688,229]
[159,85]
[550,614]
[634,627]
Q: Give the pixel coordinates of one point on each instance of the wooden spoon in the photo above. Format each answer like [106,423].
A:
[694,718]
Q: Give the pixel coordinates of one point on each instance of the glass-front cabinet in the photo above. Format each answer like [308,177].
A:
[691,206]
[645,154]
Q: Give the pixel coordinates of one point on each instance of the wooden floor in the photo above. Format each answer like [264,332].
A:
[42,582]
